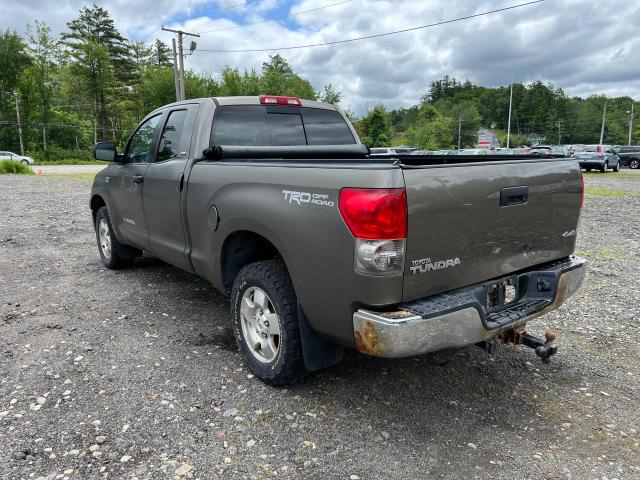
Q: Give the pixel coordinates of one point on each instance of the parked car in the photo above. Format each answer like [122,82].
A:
[392,150]
[320,247]
[600,157]
[16,158]
[630,156]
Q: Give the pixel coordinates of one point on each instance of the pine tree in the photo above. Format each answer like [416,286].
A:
[161,54]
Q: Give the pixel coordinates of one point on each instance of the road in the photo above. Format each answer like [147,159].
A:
[135,373]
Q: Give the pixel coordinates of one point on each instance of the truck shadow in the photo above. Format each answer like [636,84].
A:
[472,393]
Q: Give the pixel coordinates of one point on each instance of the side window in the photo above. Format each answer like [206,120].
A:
[142,141]
[326,127]
[171,135]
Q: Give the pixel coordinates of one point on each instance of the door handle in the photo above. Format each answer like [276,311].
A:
[514,196]
[138,179]
[180,182]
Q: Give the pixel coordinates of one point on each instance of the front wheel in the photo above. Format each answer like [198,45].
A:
[113,254]
[25,162]
[588,169]
[265,322]
[634,163]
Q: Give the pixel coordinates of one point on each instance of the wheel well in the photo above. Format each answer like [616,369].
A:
[242,248]
[96,203]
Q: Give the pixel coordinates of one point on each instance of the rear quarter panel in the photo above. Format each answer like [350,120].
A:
[313,240]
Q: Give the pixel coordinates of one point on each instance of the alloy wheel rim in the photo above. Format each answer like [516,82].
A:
[105,238]
[260,325]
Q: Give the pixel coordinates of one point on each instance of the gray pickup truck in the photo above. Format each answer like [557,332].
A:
[320,246]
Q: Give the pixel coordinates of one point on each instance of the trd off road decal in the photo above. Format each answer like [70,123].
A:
[427,265]
[300,198]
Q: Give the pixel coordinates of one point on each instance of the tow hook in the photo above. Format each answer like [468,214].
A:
[544,348]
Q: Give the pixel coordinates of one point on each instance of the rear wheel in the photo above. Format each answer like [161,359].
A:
[605,168]
[26,162]
[588,169]
[634,163]
[617,167]
[265,322]
[113,254]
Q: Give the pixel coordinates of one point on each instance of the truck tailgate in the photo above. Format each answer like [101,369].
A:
[472,222]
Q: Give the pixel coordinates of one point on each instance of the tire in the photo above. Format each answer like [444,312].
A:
[26,162]
[634,163]
[272,352]
[605,167]
[116,255]
[588,169]
[617,167]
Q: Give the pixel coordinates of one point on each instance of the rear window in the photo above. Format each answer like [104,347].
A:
[259,125]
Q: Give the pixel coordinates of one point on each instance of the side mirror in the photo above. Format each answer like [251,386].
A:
[105,151]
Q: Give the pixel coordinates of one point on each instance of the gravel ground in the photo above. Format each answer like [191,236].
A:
[135,374]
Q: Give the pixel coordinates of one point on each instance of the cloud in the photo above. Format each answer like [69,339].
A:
[585,47]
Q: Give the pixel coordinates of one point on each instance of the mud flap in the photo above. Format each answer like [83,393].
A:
[318,353]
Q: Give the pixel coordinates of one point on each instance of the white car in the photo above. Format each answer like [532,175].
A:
[16,158]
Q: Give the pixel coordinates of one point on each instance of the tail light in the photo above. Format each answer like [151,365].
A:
[581,190]
[600,151]
[377,217]
[279,100]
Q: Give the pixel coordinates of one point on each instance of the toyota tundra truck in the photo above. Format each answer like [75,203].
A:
[320,246]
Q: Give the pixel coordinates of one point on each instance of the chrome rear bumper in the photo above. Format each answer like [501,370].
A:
[461,318]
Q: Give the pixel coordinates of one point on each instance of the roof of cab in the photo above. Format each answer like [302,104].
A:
[220,101]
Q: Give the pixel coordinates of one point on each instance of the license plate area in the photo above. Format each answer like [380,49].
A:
[502,293]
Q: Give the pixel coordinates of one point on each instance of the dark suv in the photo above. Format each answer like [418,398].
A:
[630,156]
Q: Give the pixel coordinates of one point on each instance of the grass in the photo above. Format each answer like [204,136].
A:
[632,176]
[14,168]
[606,192]
[70,162]
[79,177]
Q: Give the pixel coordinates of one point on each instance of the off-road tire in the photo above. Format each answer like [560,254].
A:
[272,277]
[121,255]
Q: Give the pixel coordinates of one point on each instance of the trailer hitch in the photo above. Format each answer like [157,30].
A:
[544,348]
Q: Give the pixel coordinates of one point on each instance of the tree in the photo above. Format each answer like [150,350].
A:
[329,95]
[161,54]
[432,129]
[376,127]
[14,58]
[45,58]
[278,78]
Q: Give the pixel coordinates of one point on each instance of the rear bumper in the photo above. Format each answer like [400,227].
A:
[591,163]
[461,318]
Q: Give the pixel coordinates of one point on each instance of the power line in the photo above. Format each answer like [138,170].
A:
[276,19]
[237,5]
[377,35]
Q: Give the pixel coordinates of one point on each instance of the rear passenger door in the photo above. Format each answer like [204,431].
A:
[164,185]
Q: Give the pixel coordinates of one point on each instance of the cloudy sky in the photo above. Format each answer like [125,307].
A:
[583,46]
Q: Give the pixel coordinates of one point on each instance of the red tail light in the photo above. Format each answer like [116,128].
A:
[375,213]
[600,151]
[581,190]
[279,100]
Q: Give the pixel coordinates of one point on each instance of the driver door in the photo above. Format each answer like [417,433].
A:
[126,185]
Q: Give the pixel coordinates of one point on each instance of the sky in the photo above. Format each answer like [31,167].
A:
[585,47]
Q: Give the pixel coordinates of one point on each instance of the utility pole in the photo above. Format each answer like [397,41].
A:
[176,76]
[19,124]
[631,122]
[510,105]
[459,131]
[604,116]
[559,122]
[181,34]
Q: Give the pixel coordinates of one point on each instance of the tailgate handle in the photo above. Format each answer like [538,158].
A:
[514,196]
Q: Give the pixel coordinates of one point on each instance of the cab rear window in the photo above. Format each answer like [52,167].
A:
[259,125]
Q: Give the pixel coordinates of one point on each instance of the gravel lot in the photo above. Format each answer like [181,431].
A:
[136,374]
